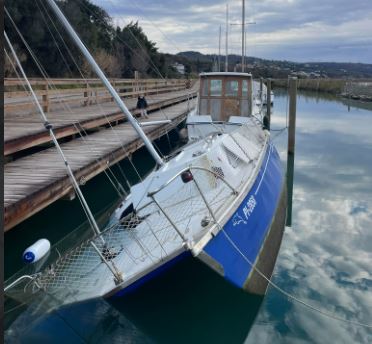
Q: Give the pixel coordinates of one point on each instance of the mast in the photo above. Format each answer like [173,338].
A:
[243,33]
[49,127]
[103,78]
[227,38]
[219,50]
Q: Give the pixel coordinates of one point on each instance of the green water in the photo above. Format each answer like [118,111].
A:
[325,258]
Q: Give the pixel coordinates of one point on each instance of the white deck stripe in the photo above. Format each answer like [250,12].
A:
[263,174]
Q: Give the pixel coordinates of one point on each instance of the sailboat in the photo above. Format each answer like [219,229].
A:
[220,199]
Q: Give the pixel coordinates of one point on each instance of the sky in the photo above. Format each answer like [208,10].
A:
[295,30]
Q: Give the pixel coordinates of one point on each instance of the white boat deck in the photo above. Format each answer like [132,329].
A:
[170,216]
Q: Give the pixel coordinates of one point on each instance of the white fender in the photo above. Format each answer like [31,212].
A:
[36,251]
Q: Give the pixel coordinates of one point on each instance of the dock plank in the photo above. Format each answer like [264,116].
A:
[22,131]
[33,182]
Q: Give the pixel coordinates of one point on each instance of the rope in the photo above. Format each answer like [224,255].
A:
[280,131]
[139,8]
[292,297]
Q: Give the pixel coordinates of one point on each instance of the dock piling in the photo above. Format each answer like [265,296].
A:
[291,144]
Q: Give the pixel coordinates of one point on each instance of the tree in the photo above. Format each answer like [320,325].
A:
[49,41]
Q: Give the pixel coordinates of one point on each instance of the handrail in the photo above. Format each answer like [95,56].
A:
[83,91]
[31,278]
[150,194]
[190,168]
[9,82]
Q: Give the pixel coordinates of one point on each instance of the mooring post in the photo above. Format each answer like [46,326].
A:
[291,144]
[136,84]
[46,98]
[86,97]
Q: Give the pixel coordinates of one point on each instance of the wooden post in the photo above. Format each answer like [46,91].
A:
[291,145]
[136,84]
[86,98]
[46,98]
[292,114]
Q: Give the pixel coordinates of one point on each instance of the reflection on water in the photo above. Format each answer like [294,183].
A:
[188,304]
[191,304]
[326,257]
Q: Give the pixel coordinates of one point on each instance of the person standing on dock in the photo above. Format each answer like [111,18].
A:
[142,105]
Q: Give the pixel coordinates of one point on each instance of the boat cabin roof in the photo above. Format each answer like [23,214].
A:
[234,74]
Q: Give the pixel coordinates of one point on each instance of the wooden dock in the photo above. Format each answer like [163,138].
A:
[36,180]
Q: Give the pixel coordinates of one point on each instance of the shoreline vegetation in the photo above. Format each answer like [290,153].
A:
[122,50]
[358,89]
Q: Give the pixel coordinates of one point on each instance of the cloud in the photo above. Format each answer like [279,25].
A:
[326,256]
[301,30]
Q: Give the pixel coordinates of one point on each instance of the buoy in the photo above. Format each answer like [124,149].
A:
[36,251]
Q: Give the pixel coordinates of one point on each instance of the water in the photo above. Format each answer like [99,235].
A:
[325,258]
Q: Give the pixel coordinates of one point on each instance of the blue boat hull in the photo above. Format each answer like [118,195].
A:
[252,236]
[253,232]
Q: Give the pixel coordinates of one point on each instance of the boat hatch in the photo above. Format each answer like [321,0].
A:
[225,94]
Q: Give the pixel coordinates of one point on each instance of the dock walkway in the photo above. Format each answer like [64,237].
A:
[96,136]
[22,131]
[35,181]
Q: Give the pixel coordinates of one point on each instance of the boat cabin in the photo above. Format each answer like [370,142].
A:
[224,94]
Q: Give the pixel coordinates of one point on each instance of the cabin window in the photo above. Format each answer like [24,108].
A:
[216,87]
[232,88]
[245,89]
[205,87]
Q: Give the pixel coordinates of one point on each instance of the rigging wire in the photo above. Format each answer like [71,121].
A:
[42,70]
[288,295]
[275,286]
[81,73]
[49,127]
[46,77]
[152,23]
[143,49]
[60,52]
[120,188]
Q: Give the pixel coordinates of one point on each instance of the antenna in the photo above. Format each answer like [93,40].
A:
[243,33]
[219,51]
[105,81]
[244,40]
[227,38]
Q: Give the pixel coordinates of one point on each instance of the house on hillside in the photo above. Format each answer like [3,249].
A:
[180,68]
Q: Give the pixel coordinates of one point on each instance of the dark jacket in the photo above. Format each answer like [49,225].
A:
[141,103]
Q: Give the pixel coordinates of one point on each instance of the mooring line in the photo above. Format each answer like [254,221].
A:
[291,297]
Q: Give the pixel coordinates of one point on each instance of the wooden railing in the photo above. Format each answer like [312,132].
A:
[81,92]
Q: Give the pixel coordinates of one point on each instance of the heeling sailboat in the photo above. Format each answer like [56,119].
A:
[220,199]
